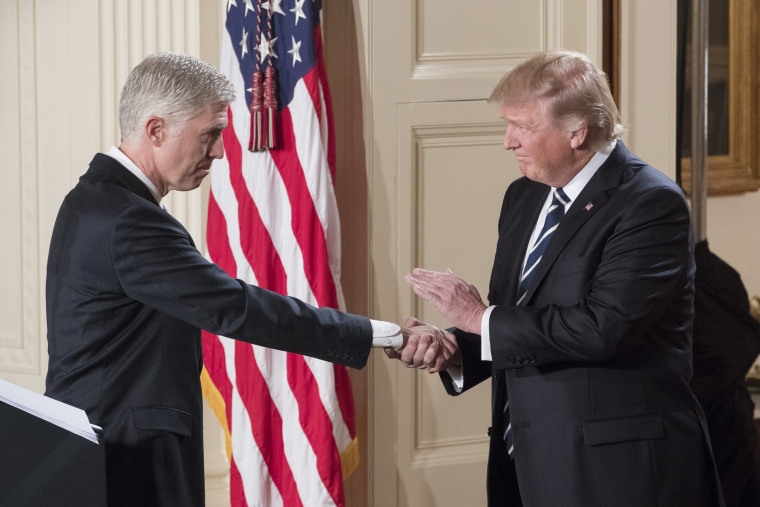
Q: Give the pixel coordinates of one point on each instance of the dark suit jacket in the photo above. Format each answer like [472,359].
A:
[726,343]
[127,296]
[597,363]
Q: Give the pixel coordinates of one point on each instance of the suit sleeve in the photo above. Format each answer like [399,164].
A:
[157,265]
[627,287]
[474,369]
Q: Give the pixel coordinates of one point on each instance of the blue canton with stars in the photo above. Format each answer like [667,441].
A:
[292,46]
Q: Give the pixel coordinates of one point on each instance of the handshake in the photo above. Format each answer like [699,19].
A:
[428,347]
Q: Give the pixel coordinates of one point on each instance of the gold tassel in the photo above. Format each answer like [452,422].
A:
[349,458]
[255,143]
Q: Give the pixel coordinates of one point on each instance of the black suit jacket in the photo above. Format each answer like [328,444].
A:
[597,362]
[127,296]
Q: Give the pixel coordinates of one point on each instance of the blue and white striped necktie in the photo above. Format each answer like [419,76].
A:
[553,215]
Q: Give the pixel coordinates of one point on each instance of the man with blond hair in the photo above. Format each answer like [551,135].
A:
[587,337]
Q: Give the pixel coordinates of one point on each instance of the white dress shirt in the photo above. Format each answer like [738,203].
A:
[386,334]
[572,189]
[118,155]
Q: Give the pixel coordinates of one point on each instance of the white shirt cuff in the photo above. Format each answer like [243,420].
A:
[386,334]
[457,376]
[485,335]
[456,372]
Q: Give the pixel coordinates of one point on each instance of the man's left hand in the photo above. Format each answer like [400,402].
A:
[457,300]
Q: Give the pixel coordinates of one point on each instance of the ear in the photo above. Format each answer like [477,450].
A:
[155,130]
[578,137]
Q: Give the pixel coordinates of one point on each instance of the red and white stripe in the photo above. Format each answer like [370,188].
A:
[273,222]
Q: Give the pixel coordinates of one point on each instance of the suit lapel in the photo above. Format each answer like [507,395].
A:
[591,199]
[513,243]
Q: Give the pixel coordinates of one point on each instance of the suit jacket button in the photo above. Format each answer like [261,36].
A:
[489,431]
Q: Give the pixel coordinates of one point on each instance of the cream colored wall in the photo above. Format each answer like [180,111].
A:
[648,87]
[64,63]
[427,140]
[732,233]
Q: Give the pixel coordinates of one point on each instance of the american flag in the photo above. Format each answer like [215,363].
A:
[273,222]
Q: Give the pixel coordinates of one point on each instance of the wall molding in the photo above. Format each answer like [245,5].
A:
[20,351]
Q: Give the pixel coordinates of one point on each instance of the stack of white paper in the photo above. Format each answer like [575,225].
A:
[53,411]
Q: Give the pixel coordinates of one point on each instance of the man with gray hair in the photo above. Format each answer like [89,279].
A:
[128,293]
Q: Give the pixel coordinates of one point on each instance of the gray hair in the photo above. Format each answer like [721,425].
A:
[171,86]
[576,92]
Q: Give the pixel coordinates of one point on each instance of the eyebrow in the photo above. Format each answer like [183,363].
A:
[522,123]
[216,128]
[515,122]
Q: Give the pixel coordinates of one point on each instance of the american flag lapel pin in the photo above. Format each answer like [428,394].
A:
[589,206]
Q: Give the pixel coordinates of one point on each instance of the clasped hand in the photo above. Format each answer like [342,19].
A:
[425,347]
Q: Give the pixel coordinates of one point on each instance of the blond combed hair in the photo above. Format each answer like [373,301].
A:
[574,92]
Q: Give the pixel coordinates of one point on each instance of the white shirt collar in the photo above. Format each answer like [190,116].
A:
[572,189]
[118,155]
[577,184]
